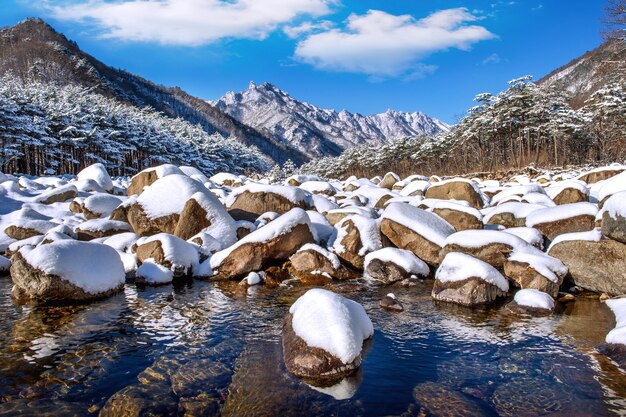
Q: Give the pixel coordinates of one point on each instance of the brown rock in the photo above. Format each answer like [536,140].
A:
[526,276]
[614,227]
[593,177]
[569,195]
[58,195]
[138,400]
[389,180]
[140,181]
[31,284]
[20,232]
[304,262]
[460,220]
[352,244]
[468,292]
[145,226]
[515,308]
[405,238]
[437,400]
[76,207]
[255,256]
[455,190]
[248,206]
[495,254]
[310,362]
[385,272]
[553,229]
[596,266]
[390,303]
[192,220]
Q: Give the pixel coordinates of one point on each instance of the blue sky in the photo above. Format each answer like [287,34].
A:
[363,55]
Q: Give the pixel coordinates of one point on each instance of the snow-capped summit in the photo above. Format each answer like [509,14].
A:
[317,131]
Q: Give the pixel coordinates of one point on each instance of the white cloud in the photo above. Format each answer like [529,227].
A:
[187,22]
[385,45]
[307,27]
[492,59]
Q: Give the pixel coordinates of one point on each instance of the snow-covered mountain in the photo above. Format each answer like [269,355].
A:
[585,75]
[317,131]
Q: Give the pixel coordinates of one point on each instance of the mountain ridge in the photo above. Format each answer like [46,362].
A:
[322,131]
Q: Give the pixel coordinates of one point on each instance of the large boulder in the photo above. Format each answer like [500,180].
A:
[148,176]
[531,268]
[567,218]
[595,264]
[614,217]
[158,208]
[389,180]
[416,230]
[99,205]
[356,237]
[459,216]
[490,246]
[57,195]
[314,264]
[252,200]
[465,280]
[511,214]
[390,265]
[97,228]
[180,256]
[456,189]
[66,271]
[204,212]
[25,228]
[532,302]
[273,242]
[568,192]
[97,173]
[323,336]
[600,174]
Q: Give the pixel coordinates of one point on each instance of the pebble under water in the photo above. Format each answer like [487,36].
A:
[205,348]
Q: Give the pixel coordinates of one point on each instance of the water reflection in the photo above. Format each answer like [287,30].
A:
[203,348]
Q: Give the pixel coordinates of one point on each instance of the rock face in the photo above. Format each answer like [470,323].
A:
[569,195]
[389,180]
[250,202]
[567,218]
[356,236]
[614,217]
[204,212]
[455,190]
[468,281]
[192,220]
[459,219]
[33,284]
[599,175]
[143,225]
[424,238]
[255,252]
[525,276]
[596,266]
[553,229]
[312,266]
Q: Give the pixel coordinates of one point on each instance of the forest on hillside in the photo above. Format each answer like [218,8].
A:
[524,124]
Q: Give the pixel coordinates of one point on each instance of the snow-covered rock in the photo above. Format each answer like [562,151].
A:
[153,273]
[614,217]
[567,218]
[465,280]
[356,237]
[458,189]
[149,176]
[99,205]
[252,200]
[98,173]
[169,251]
[323,335]
[490,246]
[66,271]
[532,302]
[389,265]
[97,228]
[618,334]
[314,264]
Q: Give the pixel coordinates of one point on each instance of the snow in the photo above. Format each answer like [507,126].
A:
[253,279]
[31,241]
[565,211]
[530,297]
[556,188]
[546,265]
[403,258]
[194,173]
[331,322]
[479,238]
[615,205]
[428,225]
[154,273]
[369,233]
[519,190]
[594,235]
[40,226]
[452,205]
[223,227]
[373,194]
[282,225]
[93,267]
[618,334]
[323,204]
[528,234]
[459,267]
[102,203]
[55,191]
[321,228]
[103,225]
[98,173]
[538,198]
[122,241]
[293,194]
[168,195]
[221,177]
[612,185]
[181,254]
[317,187]
[334,260]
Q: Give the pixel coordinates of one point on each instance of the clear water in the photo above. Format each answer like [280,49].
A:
[163,344]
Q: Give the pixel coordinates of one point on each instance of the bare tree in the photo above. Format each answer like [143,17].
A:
[614,20]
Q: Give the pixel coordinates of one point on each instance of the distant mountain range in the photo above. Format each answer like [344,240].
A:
[317,131]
